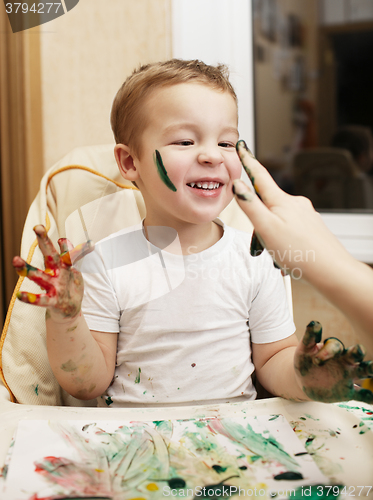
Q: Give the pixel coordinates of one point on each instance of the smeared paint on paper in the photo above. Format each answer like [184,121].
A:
[149,459]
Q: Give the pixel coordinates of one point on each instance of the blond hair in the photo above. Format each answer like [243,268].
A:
[128,118]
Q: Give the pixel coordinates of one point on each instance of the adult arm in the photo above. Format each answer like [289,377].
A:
[283,222]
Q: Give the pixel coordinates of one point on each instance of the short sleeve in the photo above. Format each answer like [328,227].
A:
[269,315]
[100,305]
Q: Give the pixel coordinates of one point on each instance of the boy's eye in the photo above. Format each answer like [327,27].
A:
[184,143]
[226,144]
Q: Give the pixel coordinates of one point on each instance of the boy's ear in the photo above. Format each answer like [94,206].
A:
[125,162]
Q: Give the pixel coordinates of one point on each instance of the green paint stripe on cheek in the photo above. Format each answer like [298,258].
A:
[162,171]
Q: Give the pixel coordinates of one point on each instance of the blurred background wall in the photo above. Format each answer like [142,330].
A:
[85,56]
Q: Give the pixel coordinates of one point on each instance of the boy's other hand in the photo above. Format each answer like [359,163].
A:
[326,370]
[62,283]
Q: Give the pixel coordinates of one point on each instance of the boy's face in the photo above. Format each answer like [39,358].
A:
[194,128]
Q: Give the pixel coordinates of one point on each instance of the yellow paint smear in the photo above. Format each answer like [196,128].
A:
[31,297]
[152,487]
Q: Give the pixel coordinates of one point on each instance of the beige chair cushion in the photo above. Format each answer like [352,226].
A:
[84,186]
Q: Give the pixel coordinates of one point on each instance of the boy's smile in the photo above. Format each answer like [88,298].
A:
[193,129]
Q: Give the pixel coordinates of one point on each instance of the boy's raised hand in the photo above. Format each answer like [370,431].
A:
[326,371]
[62,283]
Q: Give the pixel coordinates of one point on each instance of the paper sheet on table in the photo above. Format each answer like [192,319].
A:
[123,460]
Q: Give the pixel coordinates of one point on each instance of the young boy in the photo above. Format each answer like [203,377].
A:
[224,312]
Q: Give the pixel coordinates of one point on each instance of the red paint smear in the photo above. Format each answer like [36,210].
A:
[52,460]
[36,497]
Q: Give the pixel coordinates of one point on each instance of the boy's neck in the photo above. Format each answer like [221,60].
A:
[193,238]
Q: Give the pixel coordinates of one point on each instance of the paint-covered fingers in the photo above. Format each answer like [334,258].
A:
[42,300]
[260,178]
[69,254]
[33,273]
[51,256]
[256,245]
[364,370]
[331,349]
[256,211]
[355,354]
[65,245]
[326,372]
[80,251]
[312,335]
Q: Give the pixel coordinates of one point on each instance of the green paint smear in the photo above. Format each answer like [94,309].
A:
[36,390]
[310,416]
[364,431]
[109,401]
[164,427]
[260,445]
[162,171]
[176,483]
[137,379]
[69,366]
[347,407]
[288,476]
[219,469]
[316,491]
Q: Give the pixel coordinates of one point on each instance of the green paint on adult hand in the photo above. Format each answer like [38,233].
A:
[137,379]
[162,171]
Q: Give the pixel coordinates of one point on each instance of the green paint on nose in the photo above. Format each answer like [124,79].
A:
[162,171]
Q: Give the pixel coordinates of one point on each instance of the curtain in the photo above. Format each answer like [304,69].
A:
[21,154]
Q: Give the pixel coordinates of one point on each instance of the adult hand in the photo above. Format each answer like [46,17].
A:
[62,283]
[326,371]
[287,226]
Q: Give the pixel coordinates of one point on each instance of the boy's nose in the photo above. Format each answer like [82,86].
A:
[210,157]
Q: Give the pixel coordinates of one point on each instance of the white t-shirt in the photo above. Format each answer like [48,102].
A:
[185,322]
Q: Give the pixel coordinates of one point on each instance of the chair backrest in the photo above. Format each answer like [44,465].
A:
[80,178]
[330,178]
